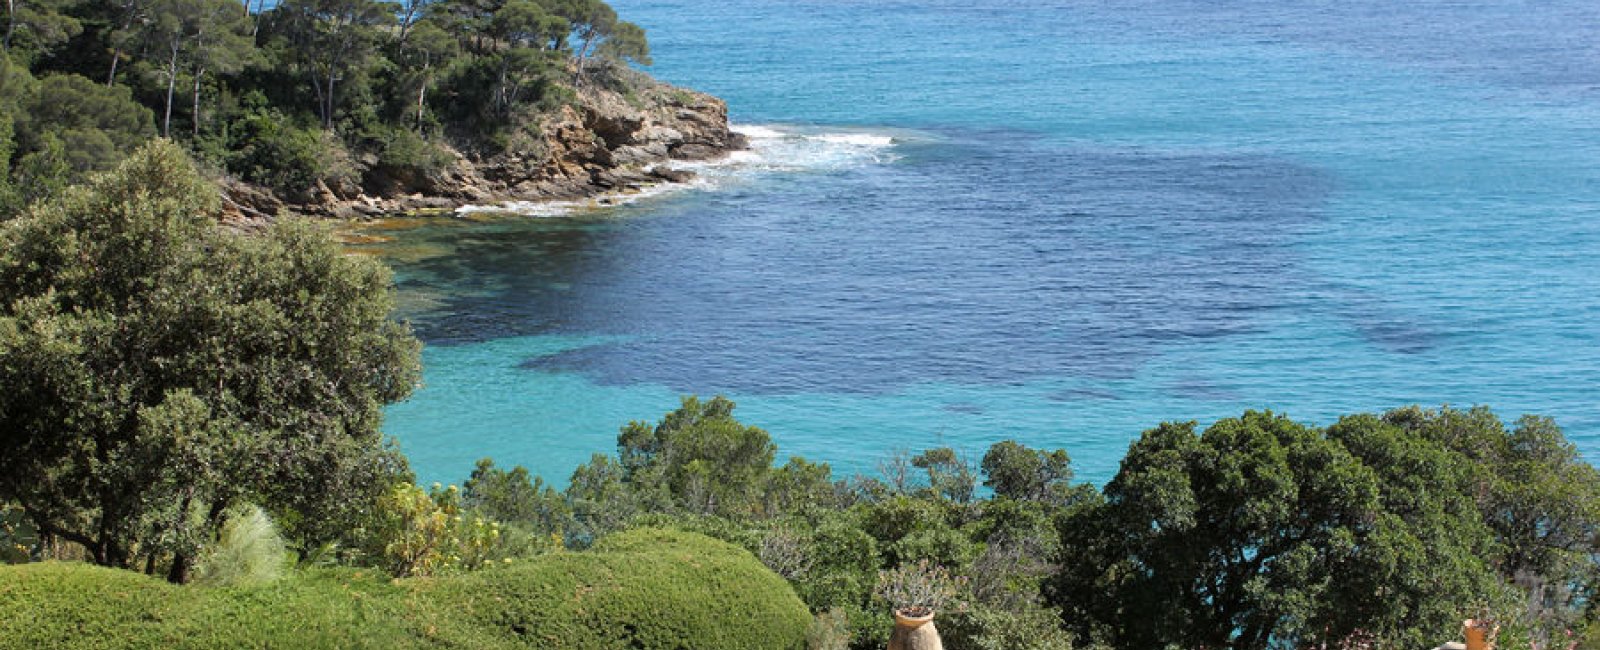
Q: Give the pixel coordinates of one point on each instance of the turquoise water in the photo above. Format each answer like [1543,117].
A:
[1059,222]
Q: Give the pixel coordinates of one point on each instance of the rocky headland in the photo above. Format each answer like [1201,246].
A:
[611,138]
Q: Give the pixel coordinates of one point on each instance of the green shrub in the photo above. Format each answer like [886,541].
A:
[401,148]
[267,148]
[644,588]
[830,630]
[71,605]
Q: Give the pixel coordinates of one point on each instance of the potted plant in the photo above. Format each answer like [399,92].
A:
[1480,631]
[915,593]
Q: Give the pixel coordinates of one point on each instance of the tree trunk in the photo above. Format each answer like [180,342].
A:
[116,57]
[316,84]
[327,113]
[172,83]
[181,566]
[422,95]
[194,120]
[11,24]
[500,86]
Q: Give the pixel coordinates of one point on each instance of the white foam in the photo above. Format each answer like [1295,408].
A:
[774,149]
[754,131]
[857,139]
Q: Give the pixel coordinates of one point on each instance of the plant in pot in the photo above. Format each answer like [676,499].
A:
[1481,630]
[916,592]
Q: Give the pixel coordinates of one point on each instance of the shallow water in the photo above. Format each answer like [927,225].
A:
[1059,222]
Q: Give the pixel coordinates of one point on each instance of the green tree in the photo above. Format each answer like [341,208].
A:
[602,501]
[950,475]
[1537,495]
[627,42]
[512,497]
[528,32]
[35,27]
[1014,471]
[160,369]
[428,48]
[96,125]
[329,41]
[701,456]
[1263,531]
[198,36]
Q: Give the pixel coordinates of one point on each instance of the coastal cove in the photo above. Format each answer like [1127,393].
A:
[1065,228]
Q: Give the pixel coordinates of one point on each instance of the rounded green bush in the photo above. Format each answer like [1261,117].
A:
[647,588]
[644,588]
[80,606]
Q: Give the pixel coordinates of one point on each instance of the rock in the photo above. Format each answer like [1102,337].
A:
[671,175]
[695,151]
[600,143]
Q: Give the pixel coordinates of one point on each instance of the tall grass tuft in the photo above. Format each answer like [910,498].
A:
[249,551]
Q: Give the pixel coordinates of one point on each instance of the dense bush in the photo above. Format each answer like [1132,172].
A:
[645,588]
[160,369]
[70,605]
[269,149]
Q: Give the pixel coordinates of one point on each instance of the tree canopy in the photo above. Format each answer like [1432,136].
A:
[1261,532]
[349,86]
[159,368]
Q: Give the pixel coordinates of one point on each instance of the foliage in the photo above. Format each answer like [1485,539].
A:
[1017,472]
[161,369]
[19,540]
[73,605]
[995,628]
[645,588]
[248,550]
[830,630]
[381,81]
[425,533]
[656,589]
[1262,531]
[950,476]
[698,458]
[920,589]
[267,148]
[55,130]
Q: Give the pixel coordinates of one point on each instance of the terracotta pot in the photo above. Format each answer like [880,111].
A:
[1480,634]
[914,633]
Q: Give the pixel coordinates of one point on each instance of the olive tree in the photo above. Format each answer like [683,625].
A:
[159,368]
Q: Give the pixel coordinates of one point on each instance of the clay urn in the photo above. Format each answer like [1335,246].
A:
[914,632]
[1480,633]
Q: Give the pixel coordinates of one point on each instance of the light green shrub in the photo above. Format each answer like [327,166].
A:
[830,630]
[248,551]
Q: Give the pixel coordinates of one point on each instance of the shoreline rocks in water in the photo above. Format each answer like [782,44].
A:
[603,142]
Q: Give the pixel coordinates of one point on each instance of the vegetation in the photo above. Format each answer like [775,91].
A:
[192,402]
[645,588]
[160,370]
[294,95]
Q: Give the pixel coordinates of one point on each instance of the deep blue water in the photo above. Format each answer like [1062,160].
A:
[1059,222]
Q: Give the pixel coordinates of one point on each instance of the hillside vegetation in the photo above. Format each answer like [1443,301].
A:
[312,102]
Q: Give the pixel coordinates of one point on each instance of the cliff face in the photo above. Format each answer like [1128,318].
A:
[603,142]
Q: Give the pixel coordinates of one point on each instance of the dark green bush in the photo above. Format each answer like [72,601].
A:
[267,148]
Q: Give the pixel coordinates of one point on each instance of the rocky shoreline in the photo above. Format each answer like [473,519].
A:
[604,142]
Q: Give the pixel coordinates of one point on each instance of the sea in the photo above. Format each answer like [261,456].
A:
[1060,222]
